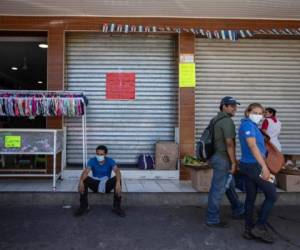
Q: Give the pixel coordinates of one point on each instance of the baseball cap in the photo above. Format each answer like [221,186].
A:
[227,100]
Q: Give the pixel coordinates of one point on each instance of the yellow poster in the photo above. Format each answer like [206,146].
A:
[12,141]
[187,75]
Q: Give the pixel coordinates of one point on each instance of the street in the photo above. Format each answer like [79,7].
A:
[157,227]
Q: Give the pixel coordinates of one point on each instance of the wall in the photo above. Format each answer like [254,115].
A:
[57,26]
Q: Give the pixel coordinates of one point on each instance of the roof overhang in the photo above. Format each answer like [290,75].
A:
[217,9]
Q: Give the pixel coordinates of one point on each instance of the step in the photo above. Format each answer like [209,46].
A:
[135,192]
[129,199]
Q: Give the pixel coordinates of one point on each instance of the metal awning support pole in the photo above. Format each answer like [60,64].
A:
[85,136]
[54,161]
[83,143]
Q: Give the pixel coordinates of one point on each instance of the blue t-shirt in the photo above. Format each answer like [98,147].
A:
[100,170]
[249,129]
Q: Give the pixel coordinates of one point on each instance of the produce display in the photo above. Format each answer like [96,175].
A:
[192,161]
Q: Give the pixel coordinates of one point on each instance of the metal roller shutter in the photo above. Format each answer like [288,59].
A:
[132,127]
[264,71]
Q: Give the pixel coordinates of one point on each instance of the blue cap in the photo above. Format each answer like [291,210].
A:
[227,100]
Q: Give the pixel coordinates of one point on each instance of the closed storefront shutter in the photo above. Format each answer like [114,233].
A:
[127,127]
[264,71]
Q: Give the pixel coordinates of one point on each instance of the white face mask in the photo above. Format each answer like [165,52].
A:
[255,118]
[100,157]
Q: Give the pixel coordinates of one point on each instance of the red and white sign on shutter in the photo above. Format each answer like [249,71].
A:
[120,86]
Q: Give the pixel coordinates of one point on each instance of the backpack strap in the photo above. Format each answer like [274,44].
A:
[214,122]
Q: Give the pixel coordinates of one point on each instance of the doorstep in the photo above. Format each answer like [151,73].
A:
[131,174]
[22,192]
[70,185]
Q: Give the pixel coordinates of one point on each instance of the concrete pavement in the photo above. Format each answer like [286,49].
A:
[149,227]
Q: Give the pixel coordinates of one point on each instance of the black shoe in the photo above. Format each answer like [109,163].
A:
[119,211]
[247,235]
[221,224]
[261,232]
[238,217]
[81,211]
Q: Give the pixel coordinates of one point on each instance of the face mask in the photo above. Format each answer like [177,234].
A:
[255,118]
[100,157]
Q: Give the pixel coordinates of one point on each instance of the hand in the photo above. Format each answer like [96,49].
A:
[233,168]
[265,174]
[81,187]
[118,188]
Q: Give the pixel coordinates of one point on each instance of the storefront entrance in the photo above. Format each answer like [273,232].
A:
[127,126]
[23,66]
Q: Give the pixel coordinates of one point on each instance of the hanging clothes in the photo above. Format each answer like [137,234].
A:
[46,104]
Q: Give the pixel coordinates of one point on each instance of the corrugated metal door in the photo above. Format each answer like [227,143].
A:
[264,71]
[131,127]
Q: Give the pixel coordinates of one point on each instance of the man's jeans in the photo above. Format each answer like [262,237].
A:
[253,181]
[93,185]
[221,167]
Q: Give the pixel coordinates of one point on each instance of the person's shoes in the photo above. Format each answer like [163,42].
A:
[221,224]
[261,232]
[81,211]
[119,211]
[247,235]
[238,217]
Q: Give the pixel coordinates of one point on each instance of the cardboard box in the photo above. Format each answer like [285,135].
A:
[288,182]
[166,155]
[201,179]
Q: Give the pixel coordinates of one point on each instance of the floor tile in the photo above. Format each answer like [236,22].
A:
[134,186]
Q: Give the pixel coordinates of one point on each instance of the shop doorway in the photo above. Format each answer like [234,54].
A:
[23,66]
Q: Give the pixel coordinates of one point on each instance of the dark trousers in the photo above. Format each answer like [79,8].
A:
[93,185]
[253,181]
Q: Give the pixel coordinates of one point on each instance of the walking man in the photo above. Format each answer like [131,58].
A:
[224,165]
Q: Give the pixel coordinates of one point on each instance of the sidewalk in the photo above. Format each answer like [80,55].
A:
[135,192]
[144,228]
[70,185]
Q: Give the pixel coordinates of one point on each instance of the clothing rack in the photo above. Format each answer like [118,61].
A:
[39,95]
[59,92]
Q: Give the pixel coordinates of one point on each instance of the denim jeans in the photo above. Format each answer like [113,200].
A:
[253,181]
[221,167]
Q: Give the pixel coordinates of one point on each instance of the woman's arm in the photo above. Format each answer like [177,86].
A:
[251,141]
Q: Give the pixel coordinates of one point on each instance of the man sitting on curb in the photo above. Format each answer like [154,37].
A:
[101,167]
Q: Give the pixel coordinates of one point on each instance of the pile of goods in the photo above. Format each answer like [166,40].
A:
[291,167]
[194,162]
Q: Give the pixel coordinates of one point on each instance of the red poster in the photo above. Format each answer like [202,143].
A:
[120,86]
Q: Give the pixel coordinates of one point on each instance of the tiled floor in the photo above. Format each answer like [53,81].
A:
[70,185]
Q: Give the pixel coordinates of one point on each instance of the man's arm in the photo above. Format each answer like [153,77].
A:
[230,145]
[118,177]
[229,134]
[83,176]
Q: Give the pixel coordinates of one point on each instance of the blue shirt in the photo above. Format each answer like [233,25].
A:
[249,129]
[101,170]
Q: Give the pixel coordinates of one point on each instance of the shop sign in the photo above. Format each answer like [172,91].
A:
[12,141]
[187,75]
[187,58]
